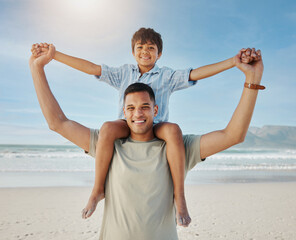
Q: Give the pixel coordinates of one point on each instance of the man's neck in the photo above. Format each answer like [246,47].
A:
[142,137]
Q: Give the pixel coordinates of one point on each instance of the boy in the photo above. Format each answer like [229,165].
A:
[146,49]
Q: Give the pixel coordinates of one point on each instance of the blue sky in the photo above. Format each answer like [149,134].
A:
[195,33]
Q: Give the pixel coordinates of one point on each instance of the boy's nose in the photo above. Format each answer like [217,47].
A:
[145,49]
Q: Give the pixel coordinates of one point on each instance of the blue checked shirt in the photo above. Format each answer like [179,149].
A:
[164,81]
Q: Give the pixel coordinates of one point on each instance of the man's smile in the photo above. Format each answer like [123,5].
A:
[138,121]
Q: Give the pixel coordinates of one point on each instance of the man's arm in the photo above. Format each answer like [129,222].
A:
[237,128]
[55,117]
[74,62]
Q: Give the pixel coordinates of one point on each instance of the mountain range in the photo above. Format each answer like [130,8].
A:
[270,137]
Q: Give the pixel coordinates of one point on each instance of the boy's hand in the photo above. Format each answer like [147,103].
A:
[249,55]
[39,49]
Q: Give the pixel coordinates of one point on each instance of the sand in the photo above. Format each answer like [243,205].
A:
[218,211]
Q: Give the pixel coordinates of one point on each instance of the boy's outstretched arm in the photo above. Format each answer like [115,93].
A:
[55,117]
[210,70]
[74,62]
[246,55]
[237,127]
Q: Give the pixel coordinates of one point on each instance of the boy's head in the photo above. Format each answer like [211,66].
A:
[146,35]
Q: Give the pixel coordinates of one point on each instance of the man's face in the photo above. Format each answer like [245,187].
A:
[139,111]
[146,54]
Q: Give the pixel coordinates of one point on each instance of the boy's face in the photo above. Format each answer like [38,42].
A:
[146,55]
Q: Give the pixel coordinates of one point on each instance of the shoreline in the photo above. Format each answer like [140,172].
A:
[218,211]
[86,179]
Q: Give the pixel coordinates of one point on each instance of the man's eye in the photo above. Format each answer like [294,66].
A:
[146,107]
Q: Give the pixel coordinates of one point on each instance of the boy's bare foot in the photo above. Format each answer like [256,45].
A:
[92,204]
[182,215]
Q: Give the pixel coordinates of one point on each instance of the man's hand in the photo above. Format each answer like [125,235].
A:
[41,54]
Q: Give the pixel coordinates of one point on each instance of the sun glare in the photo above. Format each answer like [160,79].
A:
[84,7]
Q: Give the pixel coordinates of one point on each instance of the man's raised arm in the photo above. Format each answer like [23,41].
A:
[55,117]
[237,128]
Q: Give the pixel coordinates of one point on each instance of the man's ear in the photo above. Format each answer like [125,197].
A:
[124,112]
[155,110]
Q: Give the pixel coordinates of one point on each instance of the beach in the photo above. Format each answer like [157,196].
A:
[237,194]
[218,211]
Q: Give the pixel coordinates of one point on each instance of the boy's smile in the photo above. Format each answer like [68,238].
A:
[146,55]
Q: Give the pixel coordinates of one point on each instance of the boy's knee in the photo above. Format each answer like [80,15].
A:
[107,129]
[172,129]
[113,130]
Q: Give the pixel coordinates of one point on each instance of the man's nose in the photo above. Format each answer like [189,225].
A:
[138,112]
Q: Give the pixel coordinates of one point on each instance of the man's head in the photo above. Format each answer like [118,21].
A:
[146,48]
[140,87]
[140,110]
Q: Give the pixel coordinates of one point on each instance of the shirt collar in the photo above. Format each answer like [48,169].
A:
[155,69]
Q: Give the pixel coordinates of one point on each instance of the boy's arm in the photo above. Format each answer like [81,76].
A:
[246,55]
[212,69]
[78,63]
[237,127]
[54,115]
[74,62]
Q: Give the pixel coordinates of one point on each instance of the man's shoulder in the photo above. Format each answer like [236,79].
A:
[190,137]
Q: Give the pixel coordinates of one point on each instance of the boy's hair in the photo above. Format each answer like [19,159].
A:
[147,35]
[140,87]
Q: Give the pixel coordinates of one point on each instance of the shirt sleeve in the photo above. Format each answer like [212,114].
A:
[93,142]
[192,151]
[111,75]
[180,80]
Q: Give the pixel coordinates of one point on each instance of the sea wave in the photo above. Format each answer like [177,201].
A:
[246,168]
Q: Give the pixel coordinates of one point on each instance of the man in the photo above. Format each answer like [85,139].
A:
[139,189]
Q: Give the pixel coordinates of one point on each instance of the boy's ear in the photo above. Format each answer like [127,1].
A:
[159,55]
[155,110]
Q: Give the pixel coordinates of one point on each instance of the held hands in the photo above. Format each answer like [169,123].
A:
[249,55]
[42,54]
[249,61]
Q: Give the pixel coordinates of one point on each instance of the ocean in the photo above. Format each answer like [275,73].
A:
[46,166]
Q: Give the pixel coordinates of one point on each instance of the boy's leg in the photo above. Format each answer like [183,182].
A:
[172,135]
[109,132]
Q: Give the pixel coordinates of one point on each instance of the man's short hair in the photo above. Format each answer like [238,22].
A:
[140,87]
[147,35]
